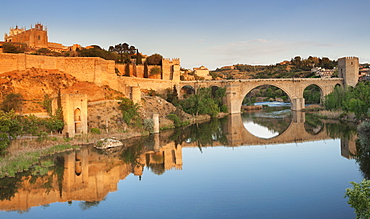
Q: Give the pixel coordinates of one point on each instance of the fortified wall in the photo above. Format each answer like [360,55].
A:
[94,69]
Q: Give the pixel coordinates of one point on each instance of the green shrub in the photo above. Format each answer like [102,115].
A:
[175,119]
[359,198]
[95,131]
[149,125]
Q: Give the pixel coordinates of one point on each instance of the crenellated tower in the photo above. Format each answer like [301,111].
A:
[348,69]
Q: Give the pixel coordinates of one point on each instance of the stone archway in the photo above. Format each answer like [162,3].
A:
[77,120]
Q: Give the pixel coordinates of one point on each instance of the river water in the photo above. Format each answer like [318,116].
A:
[264,164]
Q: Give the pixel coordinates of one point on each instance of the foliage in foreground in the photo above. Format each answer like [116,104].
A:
[12,125]
[359,194]
[359,198]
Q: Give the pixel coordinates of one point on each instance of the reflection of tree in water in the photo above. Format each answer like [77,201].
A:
[85,205]
[276,119]
[133,151]
[313,124]
[157,168]
[204,134]
[9,185]
[363,149]
[340,129]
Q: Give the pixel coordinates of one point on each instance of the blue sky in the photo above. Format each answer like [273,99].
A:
[202,32]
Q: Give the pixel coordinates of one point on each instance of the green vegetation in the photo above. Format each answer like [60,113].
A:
[12,101]
[96,51]
[359,194]
[155,71]
[350,99]
[176,120]
[130,113]
[207,101]
[312,94]
[296,67]
[265,91]
[14,48]
[12,125]
[95,131]
[11,165]
[155,59]
[359,198]
[124,52]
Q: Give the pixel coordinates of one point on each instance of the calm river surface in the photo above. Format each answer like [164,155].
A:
[265,164]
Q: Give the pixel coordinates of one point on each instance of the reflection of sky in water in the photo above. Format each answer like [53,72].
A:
[259,131]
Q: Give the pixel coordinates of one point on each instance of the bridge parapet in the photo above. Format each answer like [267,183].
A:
[293,87]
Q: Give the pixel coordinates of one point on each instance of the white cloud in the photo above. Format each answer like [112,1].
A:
[262,51]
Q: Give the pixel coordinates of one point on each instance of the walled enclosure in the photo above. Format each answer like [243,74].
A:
[96,70]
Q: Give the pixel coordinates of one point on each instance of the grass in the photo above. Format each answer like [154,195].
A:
[11,165]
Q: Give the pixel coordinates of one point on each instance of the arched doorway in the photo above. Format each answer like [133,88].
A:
[77,120]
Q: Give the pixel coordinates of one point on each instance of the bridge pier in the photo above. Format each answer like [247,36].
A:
[297,104]
[231,99]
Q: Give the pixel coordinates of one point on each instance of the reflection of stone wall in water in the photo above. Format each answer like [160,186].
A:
[90,176]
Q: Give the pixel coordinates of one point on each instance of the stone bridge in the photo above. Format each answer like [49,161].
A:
[348,70]
[236,90]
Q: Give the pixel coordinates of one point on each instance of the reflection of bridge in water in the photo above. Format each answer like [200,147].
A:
[90,176]
[238,135]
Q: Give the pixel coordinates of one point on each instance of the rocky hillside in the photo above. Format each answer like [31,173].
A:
[35,83]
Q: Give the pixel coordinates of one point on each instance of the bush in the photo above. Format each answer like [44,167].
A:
[149,125]
[175,119]
[223,109]
[155,71]
[12,101]
[359,198]
[95,131]
[130,112]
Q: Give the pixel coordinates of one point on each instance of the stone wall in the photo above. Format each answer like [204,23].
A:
[97,70]
[105,115]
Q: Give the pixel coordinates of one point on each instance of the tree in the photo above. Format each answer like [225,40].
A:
[124,50]
[359,198]
[9,127]
[12,101]
[14,48]
[154,59]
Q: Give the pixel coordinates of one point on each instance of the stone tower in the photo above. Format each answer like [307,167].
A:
[348,69]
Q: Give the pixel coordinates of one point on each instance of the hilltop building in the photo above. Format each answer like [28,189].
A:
[202,72]
[35,38]
[322,72]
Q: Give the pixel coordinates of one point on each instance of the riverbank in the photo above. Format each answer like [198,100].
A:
[25,152]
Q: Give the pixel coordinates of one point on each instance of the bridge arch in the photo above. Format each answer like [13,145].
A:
[309,93]
[249,90]
[186,90]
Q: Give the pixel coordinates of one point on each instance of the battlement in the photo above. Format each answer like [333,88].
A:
[173,61]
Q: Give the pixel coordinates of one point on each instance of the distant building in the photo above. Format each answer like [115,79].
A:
[284,63]
[35,38]
[322,72]
[202,72]
[231,67]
